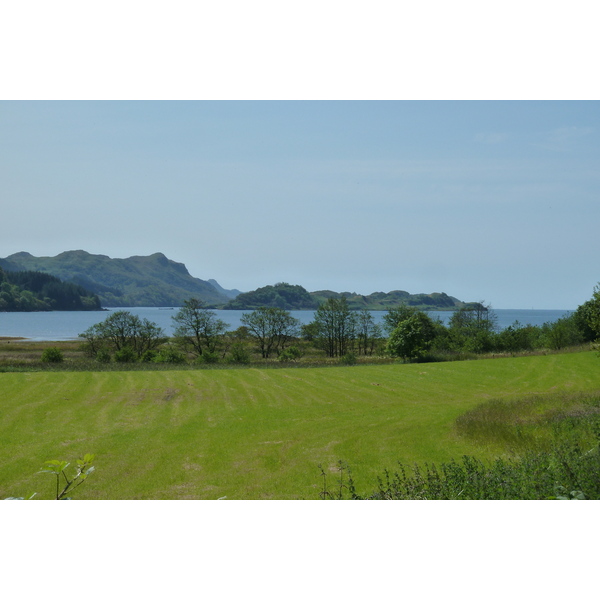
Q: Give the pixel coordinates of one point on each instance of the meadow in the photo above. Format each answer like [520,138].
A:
[260,433]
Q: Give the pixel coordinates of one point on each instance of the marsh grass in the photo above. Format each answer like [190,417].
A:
[534,422]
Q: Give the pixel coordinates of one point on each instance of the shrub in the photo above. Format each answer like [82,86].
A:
[208,357]
[292,353]
[125,355]
[148,356]
[239,354]
[52,355]
[169,355]
[348,359]
[103,355]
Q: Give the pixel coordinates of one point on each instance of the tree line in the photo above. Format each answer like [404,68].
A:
[336,331]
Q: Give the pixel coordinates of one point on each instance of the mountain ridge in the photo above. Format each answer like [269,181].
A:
[156,280]
[152,280]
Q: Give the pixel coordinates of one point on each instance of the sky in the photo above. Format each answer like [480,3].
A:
[484,200]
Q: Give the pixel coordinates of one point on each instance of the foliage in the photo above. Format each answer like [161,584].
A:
[31,291]
[562,333]
[169,355]
[57,468]
[238,353]
[208,358]
[293,353]
[197,329]
[566,472]
[412,338]
[125,334]
[335,327]
[126,354]
[593,312]
[348,359]
[397,315]
[272,329]
[368,333]
[52,355]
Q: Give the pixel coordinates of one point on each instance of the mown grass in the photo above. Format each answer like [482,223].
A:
[259,433]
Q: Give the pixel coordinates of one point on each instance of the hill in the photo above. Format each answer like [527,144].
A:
[26,291]
[295,297]
[136,281]
[280,295]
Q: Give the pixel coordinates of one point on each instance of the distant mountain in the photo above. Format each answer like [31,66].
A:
[229,293]
[136,281]
[295,297]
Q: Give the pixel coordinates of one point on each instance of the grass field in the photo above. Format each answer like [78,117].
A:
[256,433]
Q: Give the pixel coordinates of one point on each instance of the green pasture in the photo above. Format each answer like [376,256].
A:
[256,433]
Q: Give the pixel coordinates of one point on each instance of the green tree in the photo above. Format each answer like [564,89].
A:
[396,315]
[123,330]
[367,332]
[593,312]
[562,333]
[412,337]
[272,328]
[197,329]
[472,329]
[335,326]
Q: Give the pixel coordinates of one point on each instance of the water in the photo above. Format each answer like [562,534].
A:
[55,326]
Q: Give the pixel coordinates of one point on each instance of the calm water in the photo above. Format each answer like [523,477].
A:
[68,325]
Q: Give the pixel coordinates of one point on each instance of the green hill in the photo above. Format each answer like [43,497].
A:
[136,281]
[295,297]
[26,291]
[280,295]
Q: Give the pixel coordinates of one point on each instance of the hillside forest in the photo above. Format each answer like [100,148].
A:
[33,291]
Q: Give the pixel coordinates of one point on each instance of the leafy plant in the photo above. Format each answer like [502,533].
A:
[52,355]
[125,355]
[57,468]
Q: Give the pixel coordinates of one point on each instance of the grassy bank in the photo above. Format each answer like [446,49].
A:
[258,433]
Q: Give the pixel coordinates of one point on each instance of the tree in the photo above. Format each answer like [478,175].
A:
[593,312]
[367,332]
[472,328]
[272,328]
[397,315]
[412,337]
[197,329]
[335,327]
[123,330]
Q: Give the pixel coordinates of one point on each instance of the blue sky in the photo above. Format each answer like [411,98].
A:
[495,201]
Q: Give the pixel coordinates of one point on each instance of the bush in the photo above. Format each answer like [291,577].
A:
[208,357]
[239,354]
[148,356]
[103,355]
[125,355]
[52,355]
[169,355]
[292,353]
[348,359]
